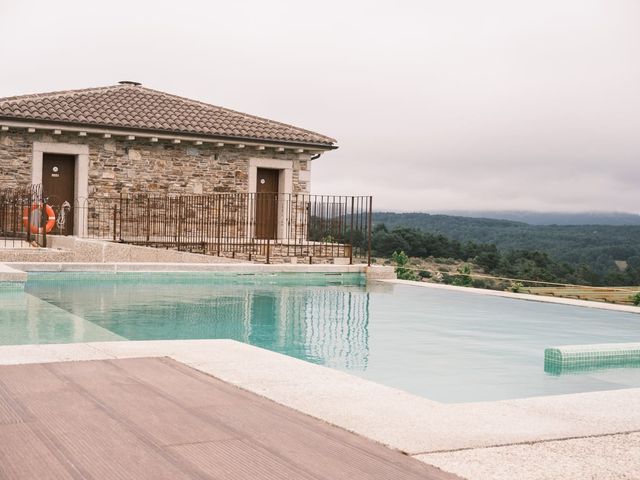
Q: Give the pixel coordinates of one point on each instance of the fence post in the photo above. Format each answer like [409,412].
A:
[351,233]
[120,230]
[43,222]
[27,210]
[115,220]
[148,219]
[218,198]
[369,232]
[268,250]
[179,222]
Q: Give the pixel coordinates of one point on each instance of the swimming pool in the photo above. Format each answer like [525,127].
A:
[447,346]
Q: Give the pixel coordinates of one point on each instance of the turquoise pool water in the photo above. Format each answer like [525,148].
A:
[444,345]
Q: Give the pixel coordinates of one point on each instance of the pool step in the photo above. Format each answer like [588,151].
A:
[11,278]
[583,358]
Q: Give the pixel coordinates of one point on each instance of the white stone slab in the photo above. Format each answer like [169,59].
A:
[158,348]
[602,458]
[74,352]
[10,274]
[22,354]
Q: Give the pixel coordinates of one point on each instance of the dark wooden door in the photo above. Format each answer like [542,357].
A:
[267,203]
[58,181]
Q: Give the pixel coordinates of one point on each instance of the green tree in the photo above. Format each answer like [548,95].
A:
[402,260]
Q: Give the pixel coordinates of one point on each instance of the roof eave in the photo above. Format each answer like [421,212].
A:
[98,128]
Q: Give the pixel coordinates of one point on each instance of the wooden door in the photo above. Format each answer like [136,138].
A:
[58,185]
[267,203]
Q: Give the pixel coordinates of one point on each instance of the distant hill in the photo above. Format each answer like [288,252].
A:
[554,218]
[595,245]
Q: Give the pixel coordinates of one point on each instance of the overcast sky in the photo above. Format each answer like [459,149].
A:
[436,105]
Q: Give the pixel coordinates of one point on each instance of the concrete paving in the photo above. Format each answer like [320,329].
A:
[604,458]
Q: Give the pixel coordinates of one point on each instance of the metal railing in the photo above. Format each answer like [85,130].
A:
[255,226]
[23,217]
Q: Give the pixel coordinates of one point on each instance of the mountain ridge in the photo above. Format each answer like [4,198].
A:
[532,217]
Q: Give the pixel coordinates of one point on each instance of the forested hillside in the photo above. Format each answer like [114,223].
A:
[584,253]
[554,218]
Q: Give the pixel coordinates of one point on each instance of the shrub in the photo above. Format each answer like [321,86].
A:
[464,277]
[462,281]
[515,287]
[636,299]
[480,283]
[445,261]
[401,259]
[424,274]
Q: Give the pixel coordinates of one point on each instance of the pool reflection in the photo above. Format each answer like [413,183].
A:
[324,324]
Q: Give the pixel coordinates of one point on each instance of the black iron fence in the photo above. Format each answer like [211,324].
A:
[256,226]
[23,217]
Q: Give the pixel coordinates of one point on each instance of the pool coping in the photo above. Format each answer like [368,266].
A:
[180,267]
[21,269]
[519,296]
[395,418]
[11,274]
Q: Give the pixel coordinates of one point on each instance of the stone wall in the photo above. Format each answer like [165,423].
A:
[118,165]
[15,159]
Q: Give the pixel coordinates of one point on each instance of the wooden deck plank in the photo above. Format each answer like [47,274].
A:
[31,379]
[24,455]
[239,460]
[266,423]
[315,447]
[182,380]
[90,374]
[99,445]
[10,412]
[161,419]
[156,418]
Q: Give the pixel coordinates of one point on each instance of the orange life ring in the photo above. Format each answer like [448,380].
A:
[32,223]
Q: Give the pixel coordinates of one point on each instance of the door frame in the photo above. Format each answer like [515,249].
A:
[285,186]
[267,204]
[81,173]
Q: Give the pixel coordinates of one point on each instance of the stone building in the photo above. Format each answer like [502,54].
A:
[96,143]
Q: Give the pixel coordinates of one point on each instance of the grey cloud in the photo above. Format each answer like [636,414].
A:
[499,104]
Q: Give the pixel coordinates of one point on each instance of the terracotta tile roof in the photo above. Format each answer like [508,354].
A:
[129,106]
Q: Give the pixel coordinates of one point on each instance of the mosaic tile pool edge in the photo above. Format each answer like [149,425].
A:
[583,358]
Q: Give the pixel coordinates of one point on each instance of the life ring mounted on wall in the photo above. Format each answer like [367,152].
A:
[31,218]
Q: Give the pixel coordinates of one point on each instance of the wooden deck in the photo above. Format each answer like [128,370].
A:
[154,418]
